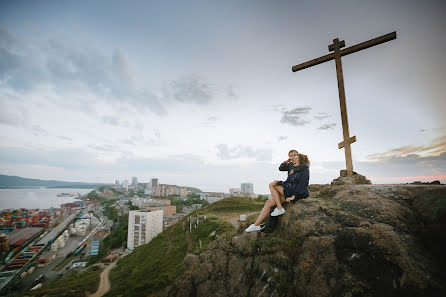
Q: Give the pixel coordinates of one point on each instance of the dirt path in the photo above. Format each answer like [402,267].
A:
[234,219]
[104,283]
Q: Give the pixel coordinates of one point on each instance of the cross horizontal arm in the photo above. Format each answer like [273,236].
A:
[369,43]
[313,62]
[346,51]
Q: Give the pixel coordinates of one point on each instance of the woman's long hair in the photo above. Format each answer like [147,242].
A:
[303,159]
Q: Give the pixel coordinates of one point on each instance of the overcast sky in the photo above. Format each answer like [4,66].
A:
[201,93]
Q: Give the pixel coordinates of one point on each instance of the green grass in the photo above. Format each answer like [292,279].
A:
[154,266]
[151,267]
[234,204]
[74,285]
[335,207]
[203,231]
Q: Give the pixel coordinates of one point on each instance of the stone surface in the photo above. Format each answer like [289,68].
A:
[355,179]
[350,240]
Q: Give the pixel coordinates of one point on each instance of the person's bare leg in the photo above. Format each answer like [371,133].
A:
[281,193]
[276,196]
[282,197]
[264,212]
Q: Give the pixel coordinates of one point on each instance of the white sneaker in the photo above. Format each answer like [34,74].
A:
[253,227]
[278,212]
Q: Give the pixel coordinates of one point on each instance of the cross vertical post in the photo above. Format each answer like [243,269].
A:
[336,46]
[336,54]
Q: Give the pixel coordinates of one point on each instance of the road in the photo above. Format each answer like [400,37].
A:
[104,283]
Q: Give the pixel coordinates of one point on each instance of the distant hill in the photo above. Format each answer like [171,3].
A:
[190,189]
[8,181]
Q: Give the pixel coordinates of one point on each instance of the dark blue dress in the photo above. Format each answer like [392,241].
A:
[296,184]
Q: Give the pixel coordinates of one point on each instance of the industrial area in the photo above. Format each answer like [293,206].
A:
[37,245]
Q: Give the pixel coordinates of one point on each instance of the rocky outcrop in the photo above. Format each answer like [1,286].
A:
[354,179]
[380,240]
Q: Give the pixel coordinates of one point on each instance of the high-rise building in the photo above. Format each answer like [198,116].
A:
[247,188]
[134,182]
[148,190]
[116,184]
[154,182]
[143,226]
[126,185]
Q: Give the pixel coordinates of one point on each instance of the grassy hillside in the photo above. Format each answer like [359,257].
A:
[154,266]
[234,205]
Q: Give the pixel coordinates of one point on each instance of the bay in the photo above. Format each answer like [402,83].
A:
[37,197]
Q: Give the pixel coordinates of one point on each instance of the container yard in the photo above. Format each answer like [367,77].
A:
[34,241]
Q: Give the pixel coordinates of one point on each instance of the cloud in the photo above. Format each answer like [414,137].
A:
[65,158]
[230,93]
[281,138]
[12,113]
[400,179]
[17,65]
[295,117]
[105,147]
[10,119]
[322,116]
[398,168]
[64,138]
[240,151]
[409,168]
[436,146]
[114,121]
[37,130]
[71,65]
[191,89]
[327,126]
[210,121]
[121,67]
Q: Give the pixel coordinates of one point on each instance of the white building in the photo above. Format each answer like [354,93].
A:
[116,184]
[234,191]
[247,188]
[213,199]
[126,185]
[143,226]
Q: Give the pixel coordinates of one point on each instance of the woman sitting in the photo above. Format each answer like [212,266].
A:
[290,190]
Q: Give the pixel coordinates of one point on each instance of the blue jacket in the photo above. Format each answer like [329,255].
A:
[297,183]
[288,166]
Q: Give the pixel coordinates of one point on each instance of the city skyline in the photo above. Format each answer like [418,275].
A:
[202,94]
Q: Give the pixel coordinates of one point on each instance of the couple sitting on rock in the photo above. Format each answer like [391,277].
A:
[291,190]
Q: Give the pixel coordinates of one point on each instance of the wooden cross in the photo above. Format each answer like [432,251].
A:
[336,55]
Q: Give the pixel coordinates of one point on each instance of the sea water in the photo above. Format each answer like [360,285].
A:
[37,197]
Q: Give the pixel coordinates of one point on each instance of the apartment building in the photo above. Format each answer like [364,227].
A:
[247,188]
[164,190]
[143,226]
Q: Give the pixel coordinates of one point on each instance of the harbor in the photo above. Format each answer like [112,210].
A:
[34,241]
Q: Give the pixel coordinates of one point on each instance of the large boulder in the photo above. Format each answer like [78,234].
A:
[354,179]
[358,240]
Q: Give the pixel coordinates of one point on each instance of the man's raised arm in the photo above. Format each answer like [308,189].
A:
[285,166]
